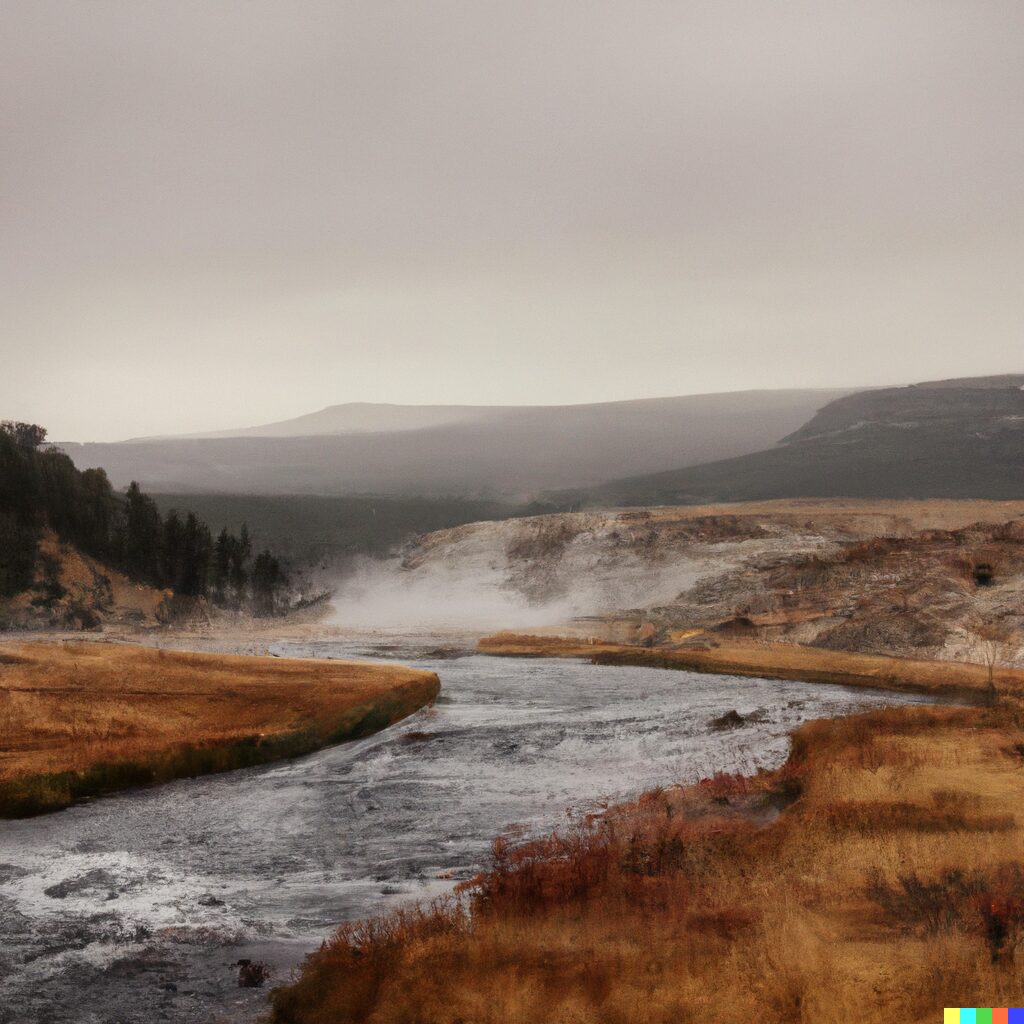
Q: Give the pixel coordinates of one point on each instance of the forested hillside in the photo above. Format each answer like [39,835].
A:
[40,489]
[320,530]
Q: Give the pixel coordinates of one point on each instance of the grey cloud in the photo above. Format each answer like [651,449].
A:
[445,202]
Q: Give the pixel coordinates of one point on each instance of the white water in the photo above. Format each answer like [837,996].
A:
[106,909]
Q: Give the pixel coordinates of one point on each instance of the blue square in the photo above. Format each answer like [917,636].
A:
[1015,1015]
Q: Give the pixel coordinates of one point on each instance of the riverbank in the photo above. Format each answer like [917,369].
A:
[137,907]
[82,719]
[943,679]
[876,876]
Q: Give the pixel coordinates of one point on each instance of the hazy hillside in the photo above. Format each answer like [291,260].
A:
[355,418]
[944,439]
[498,452]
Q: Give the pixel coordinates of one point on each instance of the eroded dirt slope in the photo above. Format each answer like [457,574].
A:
[71,590]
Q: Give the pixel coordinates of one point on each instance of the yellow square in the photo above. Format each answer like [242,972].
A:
[951,1015]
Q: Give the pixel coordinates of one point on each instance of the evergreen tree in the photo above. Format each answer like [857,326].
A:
[268,580]
[96,515]
[18,545]
[21,514]
[238,574]
[143,531]
[221,567]
[196,548]
[171,551]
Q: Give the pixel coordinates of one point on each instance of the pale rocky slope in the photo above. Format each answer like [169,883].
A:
[886,577]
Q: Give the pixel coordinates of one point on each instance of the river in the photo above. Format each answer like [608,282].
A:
[137,907]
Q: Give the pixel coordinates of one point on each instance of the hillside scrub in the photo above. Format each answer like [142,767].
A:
[83,719]
[876,876]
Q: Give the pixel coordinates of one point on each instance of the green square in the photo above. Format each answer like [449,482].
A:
[983,1016]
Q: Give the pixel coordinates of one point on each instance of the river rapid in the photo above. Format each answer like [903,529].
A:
[137,907]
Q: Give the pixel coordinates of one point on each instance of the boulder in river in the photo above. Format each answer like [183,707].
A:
[730,720]
[252,973]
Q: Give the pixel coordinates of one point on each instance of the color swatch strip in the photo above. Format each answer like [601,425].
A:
[983,1015]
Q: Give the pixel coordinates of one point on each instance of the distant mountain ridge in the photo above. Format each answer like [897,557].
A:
[349,418]
[507,452]
[961,438]
[389,418]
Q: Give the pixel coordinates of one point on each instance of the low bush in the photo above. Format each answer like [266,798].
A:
[986,903]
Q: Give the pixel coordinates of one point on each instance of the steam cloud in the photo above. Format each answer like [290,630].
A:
[470,593]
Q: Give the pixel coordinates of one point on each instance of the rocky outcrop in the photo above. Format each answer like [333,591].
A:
[887,578]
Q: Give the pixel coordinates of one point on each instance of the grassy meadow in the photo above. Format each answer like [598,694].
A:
[86,718]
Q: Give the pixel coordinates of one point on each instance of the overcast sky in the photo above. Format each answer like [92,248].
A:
[221,214]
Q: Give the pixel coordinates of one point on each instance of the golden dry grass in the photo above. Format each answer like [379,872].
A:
[891,887]
[774,660]
[859,516]
[67,708]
